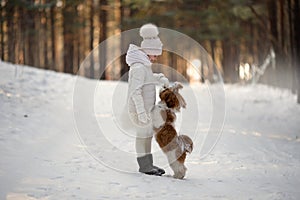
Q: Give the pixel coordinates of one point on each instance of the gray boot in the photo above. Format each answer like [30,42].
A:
[160,170]
[146,165]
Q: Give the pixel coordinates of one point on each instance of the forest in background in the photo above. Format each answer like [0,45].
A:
[249,40]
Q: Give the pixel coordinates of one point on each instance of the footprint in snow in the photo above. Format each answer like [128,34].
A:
[114,183]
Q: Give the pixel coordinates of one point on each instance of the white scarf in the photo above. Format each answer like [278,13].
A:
[136,55]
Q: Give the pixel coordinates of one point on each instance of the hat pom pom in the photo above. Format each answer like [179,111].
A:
[149,31]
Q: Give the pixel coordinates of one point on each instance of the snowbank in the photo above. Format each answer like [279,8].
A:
[43,157]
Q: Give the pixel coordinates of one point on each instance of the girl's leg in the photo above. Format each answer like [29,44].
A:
[143,146]
[143,141]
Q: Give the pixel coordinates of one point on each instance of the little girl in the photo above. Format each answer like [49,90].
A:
[141,94]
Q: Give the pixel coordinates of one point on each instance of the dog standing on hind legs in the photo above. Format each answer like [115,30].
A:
[163,118]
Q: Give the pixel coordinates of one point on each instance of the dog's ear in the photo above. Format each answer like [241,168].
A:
[176,87]
[181,100]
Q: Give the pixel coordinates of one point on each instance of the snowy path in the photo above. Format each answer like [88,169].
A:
[257,157]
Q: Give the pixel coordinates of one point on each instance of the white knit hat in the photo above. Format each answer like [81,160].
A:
[151,43]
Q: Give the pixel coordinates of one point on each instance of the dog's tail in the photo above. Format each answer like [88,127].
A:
[187,143]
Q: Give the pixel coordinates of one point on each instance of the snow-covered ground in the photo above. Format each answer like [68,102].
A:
[51,146]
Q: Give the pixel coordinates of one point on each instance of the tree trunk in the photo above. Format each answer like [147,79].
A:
[37,47]
[276,21]
[292,47]
[45,38]
[213,56]
[53,45]
[25,34]
[2,31]
[297,44]
[272,11]
[124,47]
[282,24]
[91,45]
[230,61]
[68,35]
[284,72]
[10,9]
[124,66]
[102,37]
[31,34]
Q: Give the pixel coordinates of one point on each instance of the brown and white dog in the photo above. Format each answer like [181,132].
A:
[163,118]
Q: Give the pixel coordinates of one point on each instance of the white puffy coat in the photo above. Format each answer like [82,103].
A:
[141,83]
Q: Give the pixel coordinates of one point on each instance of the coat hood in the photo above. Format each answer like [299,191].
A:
[136,55]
